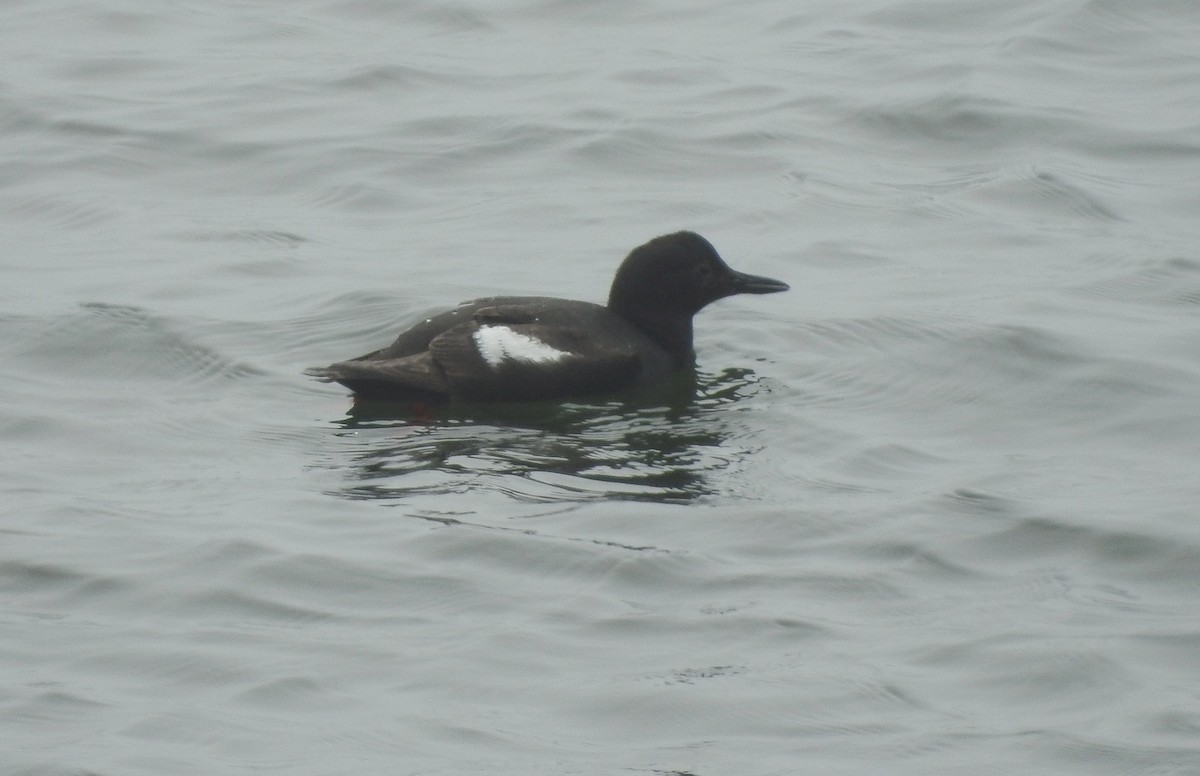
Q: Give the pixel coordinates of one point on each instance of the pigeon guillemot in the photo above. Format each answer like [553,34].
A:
[522,348]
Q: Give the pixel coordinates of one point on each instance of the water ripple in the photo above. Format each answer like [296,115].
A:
[116,342]
[1172,282]
[555,452]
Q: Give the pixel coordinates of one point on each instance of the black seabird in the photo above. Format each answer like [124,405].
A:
[523,348]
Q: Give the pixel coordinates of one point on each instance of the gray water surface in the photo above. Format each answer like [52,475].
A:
[932,511]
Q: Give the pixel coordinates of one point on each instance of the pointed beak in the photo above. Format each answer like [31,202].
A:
[756,284]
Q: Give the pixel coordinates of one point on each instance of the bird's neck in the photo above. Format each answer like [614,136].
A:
[671,332]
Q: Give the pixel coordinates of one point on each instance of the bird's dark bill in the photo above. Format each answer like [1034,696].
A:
[756,284]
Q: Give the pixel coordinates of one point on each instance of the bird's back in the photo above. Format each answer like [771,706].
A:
[505,348]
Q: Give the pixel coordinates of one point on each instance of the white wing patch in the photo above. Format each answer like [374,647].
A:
[499,343]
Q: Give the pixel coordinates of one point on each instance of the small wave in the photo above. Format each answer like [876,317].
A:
[931,364]
[1047,194]
[392,77]
[285,239]
[64,211]
[116,342]
[1172,282]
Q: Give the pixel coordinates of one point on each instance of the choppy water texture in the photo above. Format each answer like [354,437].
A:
[932,511]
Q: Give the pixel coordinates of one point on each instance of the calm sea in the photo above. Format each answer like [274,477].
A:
[934,511]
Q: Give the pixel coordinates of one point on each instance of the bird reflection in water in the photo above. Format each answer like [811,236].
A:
[662,444]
